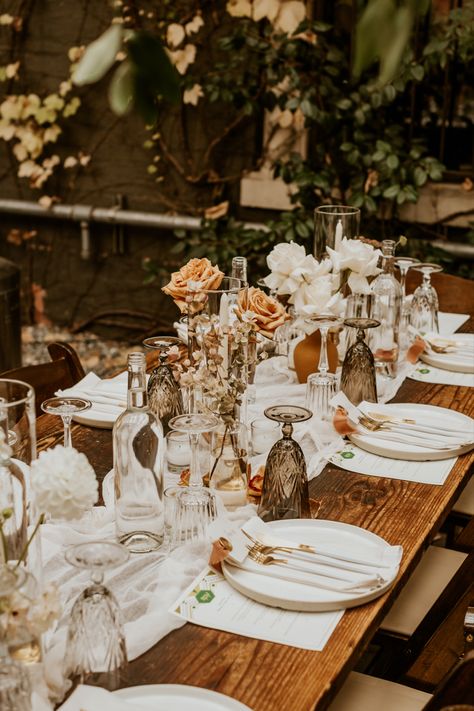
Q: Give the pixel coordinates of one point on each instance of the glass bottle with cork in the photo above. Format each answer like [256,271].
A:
[387,310]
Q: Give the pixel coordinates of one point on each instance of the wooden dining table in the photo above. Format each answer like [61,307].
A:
[271,677]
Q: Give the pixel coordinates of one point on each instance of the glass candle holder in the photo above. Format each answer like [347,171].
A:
[331,224]
[178,451]
[264,434]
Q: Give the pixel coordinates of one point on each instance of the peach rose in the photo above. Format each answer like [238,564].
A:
[195,270]
[266,313]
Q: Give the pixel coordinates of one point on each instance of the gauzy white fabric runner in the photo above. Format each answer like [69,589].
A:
[145,586]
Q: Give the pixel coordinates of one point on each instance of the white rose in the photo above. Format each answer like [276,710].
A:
[290,267]
[64,483]
[318,297]
[360,258]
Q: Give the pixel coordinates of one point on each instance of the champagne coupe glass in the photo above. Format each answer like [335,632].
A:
[285,486]
[164,395]
[66,407]
[331,224]
[425,304]
[196,504]
[358,370]
[95,650]
[14,682]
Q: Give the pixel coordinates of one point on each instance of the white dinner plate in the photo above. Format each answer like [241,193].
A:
[305,598]
[179,697]
[94,417]
[456,362]
[426,414]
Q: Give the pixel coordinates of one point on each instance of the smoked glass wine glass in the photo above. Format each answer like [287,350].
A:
[358,370]
[425,304]
[164,394]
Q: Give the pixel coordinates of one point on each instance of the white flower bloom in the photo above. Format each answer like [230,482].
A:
[318,297]
[182,58]
[265,8]
[360,258]
[175,34]
[192,96]
[64,483]
[10,109]
[291,268]
[195,25]
[239,8]
[291,14]
[5,449]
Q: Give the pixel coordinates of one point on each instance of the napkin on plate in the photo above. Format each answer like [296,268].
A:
[107,396]
[93,698]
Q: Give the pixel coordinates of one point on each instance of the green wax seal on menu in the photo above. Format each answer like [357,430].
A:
[205,596]
[347,455]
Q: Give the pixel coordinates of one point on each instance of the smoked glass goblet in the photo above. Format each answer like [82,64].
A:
[358,370]
[66,407]
[425,304]
[285,485]
[96,652]
[164,395]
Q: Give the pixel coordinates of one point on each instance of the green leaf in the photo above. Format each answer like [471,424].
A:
[401,197]
[391,192]
[390,92]
[378,14]
[344,104]
[420,176]
[392,53]
[378,156]
[121,91]
[154,67]
[345,147]
[417,72]
[98,57]
[393,161]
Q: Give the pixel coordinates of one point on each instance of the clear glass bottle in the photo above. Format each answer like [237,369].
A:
[239,269]
[138,465]
[228,472]
[387,310]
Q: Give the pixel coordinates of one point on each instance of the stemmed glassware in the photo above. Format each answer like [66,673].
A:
[358,370]
[331,224]
[321,386]
[425,304]
[164,395]
[196,504]
[66,407]
[285,486]
[96,652]
[14,682]
[404,264]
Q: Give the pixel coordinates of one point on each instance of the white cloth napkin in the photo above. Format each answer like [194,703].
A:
[93,698]
[107,396]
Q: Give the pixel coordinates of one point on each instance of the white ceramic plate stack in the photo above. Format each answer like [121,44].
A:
[339,538]
[179,697]
[460,360]
[418,445]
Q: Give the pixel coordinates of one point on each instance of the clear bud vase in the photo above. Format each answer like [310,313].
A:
[387,310]
[228,473]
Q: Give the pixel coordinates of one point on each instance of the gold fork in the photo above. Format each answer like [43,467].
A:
[258,545]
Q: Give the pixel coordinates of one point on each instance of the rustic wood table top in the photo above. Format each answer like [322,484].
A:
[271,677]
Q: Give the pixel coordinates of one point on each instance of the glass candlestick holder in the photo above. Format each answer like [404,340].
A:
[285,485]
[358,370]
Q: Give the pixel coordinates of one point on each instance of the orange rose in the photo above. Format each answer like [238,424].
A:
[267,313]
[195,270]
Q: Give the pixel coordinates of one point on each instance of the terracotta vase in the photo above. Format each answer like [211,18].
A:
[306,355]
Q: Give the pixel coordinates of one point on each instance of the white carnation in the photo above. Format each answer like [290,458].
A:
[64,483]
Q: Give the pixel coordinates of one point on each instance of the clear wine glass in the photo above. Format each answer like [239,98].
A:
[285,485]
[15,692]
[66,407]
[196,504]
[164,394]
[95,651]
[404,264]
[323,380]
[425,304]
[358,370]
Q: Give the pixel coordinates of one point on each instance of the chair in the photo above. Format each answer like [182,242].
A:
[64,371]
[442,583]
[366,693]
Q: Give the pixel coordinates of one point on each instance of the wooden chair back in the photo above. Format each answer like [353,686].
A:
[46,378]
[457,689]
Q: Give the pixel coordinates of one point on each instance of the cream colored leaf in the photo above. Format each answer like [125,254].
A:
[195,25]
[291,14]
[192,96]
[51,134]
[265,8]
[20,152]
[11,70]
[70,162]
[175,34]
[239,8]
[98,57]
